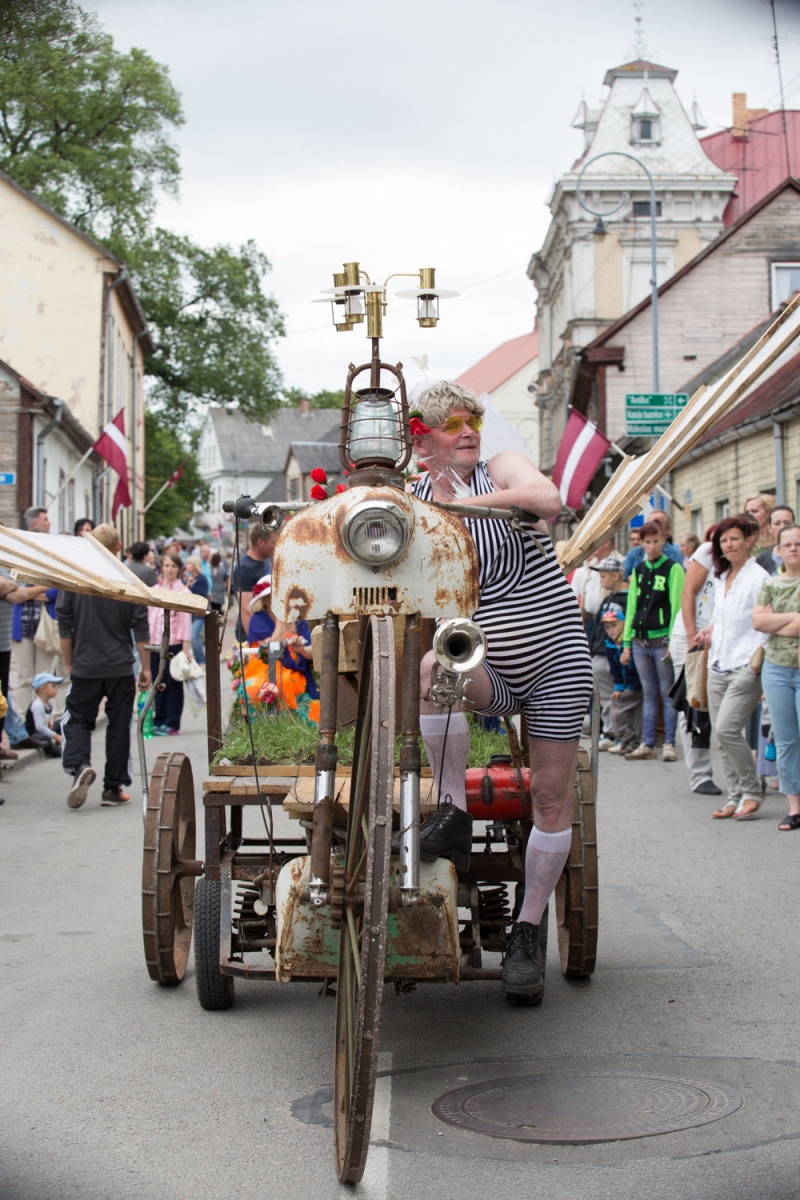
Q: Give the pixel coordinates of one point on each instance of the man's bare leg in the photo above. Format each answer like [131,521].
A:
[553,767]
[446,739]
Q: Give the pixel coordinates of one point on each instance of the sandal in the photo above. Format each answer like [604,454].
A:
[790,822]
[727,811]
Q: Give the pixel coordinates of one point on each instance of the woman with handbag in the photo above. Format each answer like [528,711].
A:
[734,666]
[777,612]
[169,703]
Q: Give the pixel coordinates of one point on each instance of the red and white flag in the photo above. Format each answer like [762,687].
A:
[579,455]
[175,476]
[111,446]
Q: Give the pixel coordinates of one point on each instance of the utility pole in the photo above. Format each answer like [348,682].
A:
[776,45]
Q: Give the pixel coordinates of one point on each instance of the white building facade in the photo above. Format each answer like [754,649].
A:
[587,278]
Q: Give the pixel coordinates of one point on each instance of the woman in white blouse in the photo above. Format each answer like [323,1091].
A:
[734,687]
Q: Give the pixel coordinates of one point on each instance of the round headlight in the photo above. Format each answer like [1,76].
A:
[375,532]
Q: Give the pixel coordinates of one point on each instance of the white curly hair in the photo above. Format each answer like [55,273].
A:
[434,400]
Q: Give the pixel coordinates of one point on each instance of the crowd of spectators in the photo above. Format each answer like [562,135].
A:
[733,599]
[63,655]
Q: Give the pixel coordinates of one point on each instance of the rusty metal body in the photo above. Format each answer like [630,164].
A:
[422,939]
[313,574]
[354,909]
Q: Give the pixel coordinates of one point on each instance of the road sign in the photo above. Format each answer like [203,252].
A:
[649,414]
[8,477]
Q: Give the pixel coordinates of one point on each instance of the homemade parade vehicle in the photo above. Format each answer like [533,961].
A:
[347,902]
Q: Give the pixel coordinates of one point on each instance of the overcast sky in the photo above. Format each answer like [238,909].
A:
[411,133]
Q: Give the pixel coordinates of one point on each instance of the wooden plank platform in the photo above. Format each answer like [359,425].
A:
[276,771]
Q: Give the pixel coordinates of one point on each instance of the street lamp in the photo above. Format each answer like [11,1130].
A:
[600,231]
[375,441]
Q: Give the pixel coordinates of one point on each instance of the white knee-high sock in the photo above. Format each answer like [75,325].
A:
[456,753]
[544,861]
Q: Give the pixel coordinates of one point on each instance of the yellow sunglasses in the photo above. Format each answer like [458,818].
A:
[456,424]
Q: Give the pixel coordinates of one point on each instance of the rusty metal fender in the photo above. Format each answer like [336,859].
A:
[313,573]
[422,940]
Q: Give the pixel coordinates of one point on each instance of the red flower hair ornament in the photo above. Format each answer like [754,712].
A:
[417,425]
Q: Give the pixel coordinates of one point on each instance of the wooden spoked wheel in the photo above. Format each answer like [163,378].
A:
[362,954]
[168,869]
[576,891]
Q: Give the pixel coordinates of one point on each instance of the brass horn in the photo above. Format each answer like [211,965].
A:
[459,645]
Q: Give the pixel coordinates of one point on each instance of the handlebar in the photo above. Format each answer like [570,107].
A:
[491,514]
[271,514]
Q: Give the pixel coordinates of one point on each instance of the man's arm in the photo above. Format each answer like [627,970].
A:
[66,653]
[518,482]
[18,593]
[140,625]
[64,616]
[145,678]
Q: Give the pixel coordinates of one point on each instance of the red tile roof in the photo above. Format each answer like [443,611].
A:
[501,363]
[758,161]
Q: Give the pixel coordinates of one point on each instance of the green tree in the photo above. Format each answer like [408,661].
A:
[165,453]
[212,326]
[84,127]
[88,130]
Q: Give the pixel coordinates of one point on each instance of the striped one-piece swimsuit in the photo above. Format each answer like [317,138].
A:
[538,658]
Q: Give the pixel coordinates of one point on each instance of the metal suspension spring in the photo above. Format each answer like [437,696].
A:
[494,906]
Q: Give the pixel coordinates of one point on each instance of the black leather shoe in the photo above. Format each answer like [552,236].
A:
[448,834]
[523,969]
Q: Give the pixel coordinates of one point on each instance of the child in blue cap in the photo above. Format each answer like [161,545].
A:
[38,721]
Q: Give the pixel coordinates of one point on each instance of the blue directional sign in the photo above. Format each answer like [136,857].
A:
[8,477]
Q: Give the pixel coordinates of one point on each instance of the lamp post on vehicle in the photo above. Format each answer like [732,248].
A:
[600,232]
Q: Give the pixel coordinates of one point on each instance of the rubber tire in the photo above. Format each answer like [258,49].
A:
[215,991]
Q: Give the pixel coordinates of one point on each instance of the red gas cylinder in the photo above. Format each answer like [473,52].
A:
[497,793]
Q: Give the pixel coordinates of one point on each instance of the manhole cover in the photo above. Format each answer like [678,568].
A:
[597,1106]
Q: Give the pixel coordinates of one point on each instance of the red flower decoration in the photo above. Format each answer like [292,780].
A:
[318,475]
[340,487]
[318,493]
[421,466]
[418,427]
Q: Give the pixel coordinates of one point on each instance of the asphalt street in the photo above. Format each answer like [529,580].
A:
[117,1089]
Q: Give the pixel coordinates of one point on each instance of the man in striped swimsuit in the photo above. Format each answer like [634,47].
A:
[538,659]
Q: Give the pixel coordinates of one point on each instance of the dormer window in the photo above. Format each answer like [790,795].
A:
[645,120]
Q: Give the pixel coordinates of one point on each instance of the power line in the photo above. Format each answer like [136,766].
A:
[780,84]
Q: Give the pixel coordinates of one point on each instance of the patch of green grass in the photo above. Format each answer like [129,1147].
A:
[289,740]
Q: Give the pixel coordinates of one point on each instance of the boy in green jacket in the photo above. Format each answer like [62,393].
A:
[654,601]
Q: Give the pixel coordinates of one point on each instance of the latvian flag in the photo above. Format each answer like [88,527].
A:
[579,455]
[111,446]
